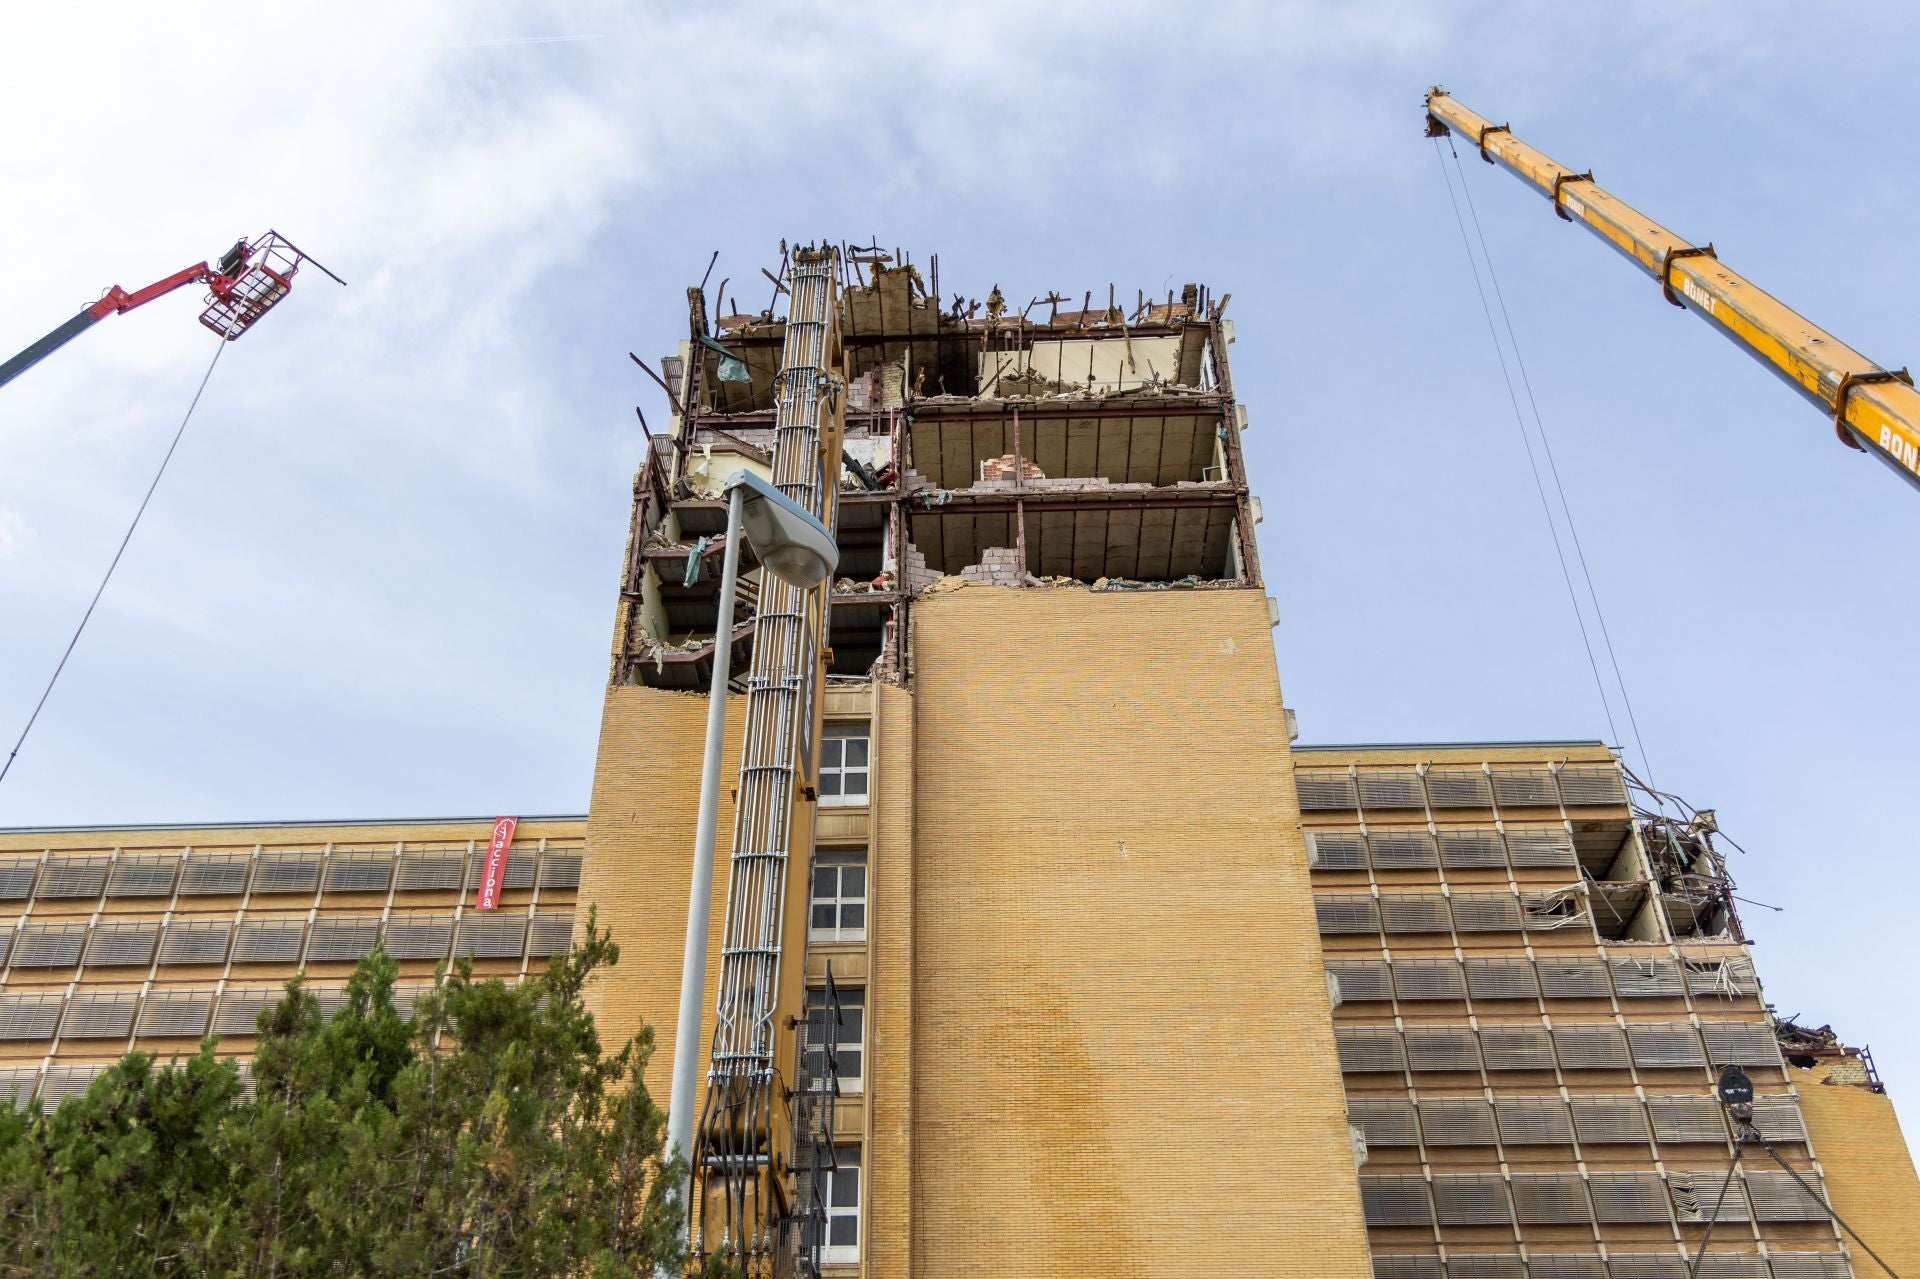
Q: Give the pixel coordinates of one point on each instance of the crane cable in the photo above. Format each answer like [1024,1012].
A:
[1533,464]
[1553,528]
[1553,467]
[108,575]
[1600,617]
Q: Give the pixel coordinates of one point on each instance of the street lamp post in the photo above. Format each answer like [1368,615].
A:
[796,547]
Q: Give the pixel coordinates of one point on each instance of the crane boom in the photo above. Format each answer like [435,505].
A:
[1873,409]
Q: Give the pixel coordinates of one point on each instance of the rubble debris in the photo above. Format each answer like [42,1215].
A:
[1000,566]
[1174,312]
[1807,1047]
[855,586]
[1797,1038]
[1033,384]
[1002,468]
[1133,584]
[746,324]
[657,650]
[1029,384]
[859,471]
[944,584]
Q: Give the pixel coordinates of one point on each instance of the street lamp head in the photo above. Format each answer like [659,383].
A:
[792,545]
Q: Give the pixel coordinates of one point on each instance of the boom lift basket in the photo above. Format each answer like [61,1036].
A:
[236,302]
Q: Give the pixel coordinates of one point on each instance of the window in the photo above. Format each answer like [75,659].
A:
[848,1038]
[843,765]
[843,1208]
[839,896]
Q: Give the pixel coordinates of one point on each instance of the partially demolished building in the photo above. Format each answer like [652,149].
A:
[1083,967]
[1036,452]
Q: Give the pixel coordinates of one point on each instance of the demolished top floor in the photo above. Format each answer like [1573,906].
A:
[1038,445]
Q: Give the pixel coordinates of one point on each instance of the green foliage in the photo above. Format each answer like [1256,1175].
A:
[488,1136]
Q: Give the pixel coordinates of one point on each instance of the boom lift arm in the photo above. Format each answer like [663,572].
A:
[1873,409]
[248,281]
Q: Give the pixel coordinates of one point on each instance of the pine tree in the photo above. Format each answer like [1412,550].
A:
[487,1135]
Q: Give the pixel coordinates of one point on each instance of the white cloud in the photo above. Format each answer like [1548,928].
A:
[14,534]
[491,180]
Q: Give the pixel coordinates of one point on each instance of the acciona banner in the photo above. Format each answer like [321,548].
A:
[496,869]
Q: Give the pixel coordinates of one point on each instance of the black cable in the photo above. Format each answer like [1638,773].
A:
[1553,468]
[1739,1140]
[1520,421]
[108,576]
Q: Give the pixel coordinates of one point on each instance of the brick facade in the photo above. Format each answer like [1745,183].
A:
[1869,1169]
[646,791]
[1122,1060]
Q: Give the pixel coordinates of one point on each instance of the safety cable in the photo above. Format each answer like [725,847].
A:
[1713,1218]
[1519,420]
[1743,1132]
[108,575]
[1553,467]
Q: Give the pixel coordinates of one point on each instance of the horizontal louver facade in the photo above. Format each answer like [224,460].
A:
[1529,1041]
[141,942]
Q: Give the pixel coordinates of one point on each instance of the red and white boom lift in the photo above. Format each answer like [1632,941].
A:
[249,280]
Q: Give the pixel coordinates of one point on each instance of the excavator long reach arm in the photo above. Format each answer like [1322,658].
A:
[1873,409]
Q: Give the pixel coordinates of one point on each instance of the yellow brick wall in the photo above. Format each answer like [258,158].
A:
[1870,1175]
[889,1063]
[646,792]
[1123,1060]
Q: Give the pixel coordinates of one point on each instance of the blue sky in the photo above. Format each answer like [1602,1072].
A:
[379,578]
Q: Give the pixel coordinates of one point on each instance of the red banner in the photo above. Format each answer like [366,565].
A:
[496,871]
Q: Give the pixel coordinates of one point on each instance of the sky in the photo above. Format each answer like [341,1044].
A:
[379,577]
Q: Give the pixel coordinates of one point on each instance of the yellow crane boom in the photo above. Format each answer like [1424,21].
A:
[1873,409]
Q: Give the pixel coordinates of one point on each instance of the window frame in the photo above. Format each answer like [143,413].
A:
[838,861]
[846,1160]
[838,736]
[852,1038]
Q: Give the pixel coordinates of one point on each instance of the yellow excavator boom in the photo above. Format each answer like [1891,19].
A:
[1873,409]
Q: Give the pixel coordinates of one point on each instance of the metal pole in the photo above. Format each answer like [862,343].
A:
[683,1101]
